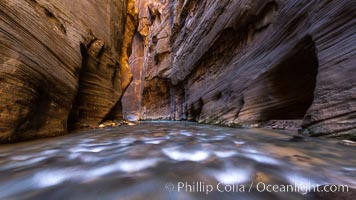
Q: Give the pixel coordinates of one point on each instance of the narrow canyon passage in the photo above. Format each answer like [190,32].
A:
[177,99]
[176,160]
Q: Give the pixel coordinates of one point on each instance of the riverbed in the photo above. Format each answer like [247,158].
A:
[174,160]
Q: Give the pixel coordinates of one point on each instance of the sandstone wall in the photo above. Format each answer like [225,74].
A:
[247,62]
[63,64]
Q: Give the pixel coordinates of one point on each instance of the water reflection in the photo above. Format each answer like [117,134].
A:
[136,162]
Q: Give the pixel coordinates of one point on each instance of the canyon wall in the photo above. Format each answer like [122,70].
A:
[66,64]
[247,63]
[63,64]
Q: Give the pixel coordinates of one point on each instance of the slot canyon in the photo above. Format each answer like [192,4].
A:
[177,99]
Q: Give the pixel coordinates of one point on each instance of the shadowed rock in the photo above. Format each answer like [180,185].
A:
[59,57]
[252,61]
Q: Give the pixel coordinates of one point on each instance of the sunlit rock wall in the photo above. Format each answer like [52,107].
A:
[63,64]
[249,62]
[150,63]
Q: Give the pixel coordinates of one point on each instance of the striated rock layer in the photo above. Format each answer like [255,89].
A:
[248,62]
[66,64]
[63,64]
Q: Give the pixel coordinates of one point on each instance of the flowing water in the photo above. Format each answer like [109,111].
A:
[173,160]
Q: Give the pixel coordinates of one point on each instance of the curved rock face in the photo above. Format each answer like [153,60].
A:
[250,62]
[65,64]
[60,59]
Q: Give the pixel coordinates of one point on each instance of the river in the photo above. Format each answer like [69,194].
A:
[174,160]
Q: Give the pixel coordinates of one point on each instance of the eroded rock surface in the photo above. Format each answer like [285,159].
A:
[65,64]
[62,63]
[251,61]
